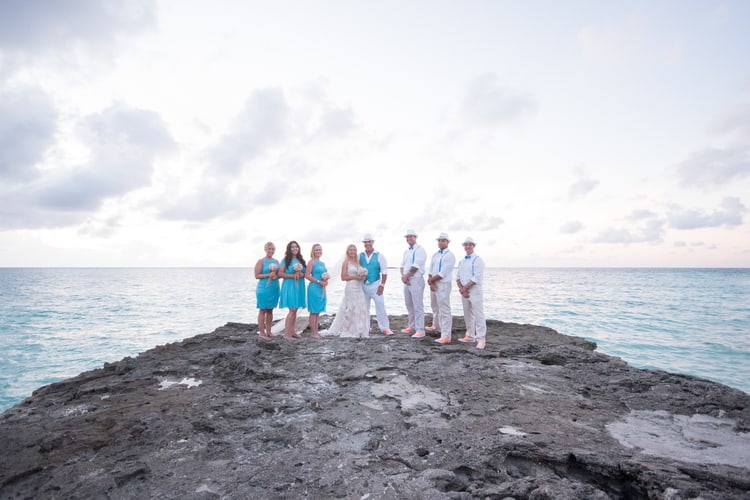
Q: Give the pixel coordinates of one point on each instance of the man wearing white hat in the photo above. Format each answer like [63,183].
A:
[439,280]
[374,284]
[412,276]
[469,278]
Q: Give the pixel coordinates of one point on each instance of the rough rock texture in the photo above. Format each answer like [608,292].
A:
[538,415]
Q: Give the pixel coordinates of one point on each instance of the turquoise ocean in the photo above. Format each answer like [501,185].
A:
[58,322]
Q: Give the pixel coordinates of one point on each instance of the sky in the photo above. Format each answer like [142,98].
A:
[189,133]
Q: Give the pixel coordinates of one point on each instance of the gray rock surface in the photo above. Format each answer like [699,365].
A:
[537,415]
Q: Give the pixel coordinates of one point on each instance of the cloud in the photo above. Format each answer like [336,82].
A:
[124,144]
[472,224]
[641,214]
[444,217]
[583,186]
[262,158]
[612,42]
[264,122]
[28,26]
[735,122]
[341,231]
[730,214]
[327,119]
[218,197]
[28,120]
[210,201]
[571,227]
[100,228]
[715,167]
[651,231]
[337,121]
[488,103]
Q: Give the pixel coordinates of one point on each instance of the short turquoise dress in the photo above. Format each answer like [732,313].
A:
[316,295]
[267,291]
[293,291]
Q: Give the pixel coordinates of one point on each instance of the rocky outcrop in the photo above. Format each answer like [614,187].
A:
[537,415]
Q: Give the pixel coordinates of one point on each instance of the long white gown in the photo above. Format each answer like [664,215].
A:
[353,319]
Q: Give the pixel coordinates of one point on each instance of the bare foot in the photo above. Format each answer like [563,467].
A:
[295,336]
[290,337]
[265,338]
[316,336]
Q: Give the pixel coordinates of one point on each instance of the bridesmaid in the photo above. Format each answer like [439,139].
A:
[292,268]
[266,290]
[317,274]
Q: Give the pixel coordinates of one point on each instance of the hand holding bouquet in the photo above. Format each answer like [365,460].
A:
[272,274]
[362,272]
[297,270]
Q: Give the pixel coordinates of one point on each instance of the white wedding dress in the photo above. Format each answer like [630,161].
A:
[353,319]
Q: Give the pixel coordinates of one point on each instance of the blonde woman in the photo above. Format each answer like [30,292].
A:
[353,319]
[266,290]
[317,275]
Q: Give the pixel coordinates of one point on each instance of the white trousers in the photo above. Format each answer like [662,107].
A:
[371,294]
[414,299]
[476,326]
[440,300]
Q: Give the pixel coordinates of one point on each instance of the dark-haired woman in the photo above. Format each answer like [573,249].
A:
[292,270]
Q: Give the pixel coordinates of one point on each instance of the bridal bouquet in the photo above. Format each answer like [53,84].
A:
[362,271]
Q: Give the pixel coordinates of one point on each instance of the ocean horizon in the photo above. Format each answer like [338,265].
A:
[58,322]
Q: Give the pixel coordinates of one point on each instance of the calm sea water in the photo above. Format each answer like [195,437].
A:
[56,323]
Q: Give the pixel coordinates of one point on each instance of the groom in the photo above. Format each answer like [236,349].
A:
[377,274]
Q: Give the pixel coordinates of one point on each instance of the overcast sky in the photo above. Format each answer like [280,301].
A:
[188,133]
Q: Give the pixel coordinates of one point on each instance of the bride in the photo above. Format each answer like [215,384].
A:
[352,319]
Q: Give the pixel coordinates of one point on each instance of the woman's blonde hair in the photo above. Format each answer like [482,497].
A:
[351,245]
[312,250]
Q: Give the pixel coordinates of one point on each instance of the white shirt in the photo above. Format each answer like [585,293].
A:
[414,256]
[442,265]
[470,268]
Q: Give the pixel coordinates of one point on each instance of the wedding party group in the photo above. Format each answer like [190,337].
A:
[365,274]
